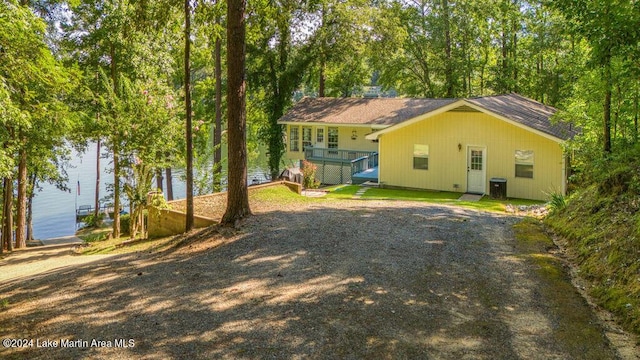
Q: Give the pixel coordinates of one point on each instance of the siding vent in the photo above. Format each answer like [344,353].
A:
[464,108]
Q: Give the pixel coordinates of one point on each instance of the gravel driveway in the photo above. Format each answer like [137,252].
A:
[333,280]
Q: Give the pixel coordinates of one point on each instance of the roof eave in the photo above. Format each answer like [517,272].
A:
[317,123]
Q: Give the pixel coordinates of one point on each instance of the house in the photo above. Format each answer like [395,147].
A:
[438,144]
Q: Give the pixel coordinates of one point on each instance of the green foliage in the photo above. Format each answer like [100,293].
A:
[158,200]
[557,201]
[94,237]
[34,91]
[125,223]
[137,189]
[93,221]
[276,64]
[600,223]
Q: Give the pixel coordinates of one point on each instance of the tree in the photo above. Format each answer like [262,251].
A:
[237,195]
[125,43]
[610,28]
[35,117]
[187,100]
[339,46]
[277,67]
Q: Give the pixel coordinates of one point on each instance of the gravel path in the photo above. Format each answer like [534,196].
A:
[398,280]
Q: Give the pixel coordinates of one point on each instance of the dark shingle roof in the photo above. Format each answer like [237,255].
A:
[393,111]
[361,111]
[526,112]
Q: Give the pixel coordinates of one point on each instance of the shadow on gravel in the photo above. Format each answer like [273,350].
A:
[384,282]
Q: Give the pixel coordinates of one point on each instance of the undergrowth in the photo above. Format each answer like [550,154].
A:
[601,223]
[574,325]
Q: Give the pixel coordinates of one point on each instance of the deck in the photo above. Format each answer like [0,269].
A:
[334,155]
[339,166]
[370,174]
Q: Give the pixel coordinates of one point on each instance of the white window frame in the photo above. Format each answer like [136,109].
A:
[421,151]
[524,164]
[307,140]
[294,138]
[319,135]
[332,144]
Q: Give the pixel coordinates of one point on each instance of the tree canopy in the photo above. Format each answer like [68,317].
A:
[73,71]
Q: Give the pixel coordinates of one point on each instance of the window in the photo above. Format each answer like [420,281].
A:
[421,157]
[332,138]
[306,137]
[476,160]
[320,135]
[294,136]
[524,164]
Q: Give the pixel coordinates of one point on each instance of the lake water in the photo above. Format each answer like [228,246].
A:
[54,210]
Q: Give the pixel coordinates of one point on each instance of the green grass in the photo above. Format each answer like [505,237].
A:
[437,197]
[603,238]
[575,320]
[342,191]
[90,235]
[280,194]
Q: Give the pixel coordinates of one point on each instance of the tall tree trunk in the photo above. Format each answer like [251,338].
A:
[217,130]
[281,93]
[159,179]
[116,151]
[323,46]
[237,194]
[7,225]
[169,177]
[514,54]
[321,85]
[187,100]
[635,113]
[21,210]
[502,82]
[450,91]
[96,210]
[31,194]
[116,193]
[2,235]
[607,106]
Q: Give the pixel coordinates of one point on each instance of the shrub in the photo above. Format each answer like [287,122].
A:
[557,202]
[125,223]
[309,175]
[93,220]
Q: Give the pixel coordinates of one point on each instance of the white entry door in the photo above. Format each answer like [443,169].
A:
[476,169]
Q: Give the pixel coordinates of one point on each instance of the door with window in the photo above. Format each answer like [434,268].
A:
[476,169]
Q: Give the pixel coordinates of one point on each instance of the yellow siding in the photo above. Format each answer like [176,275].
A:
[345,142]
[448,164]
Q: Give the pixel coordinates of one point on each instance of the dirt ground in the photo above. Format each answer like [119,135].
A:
[398,280]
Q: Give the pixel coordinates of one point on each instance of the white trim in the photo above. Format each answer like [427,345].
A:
[564,174]
[304,123]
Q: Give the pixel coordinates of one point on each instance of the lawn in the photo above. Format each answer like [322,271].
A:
[437,197]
